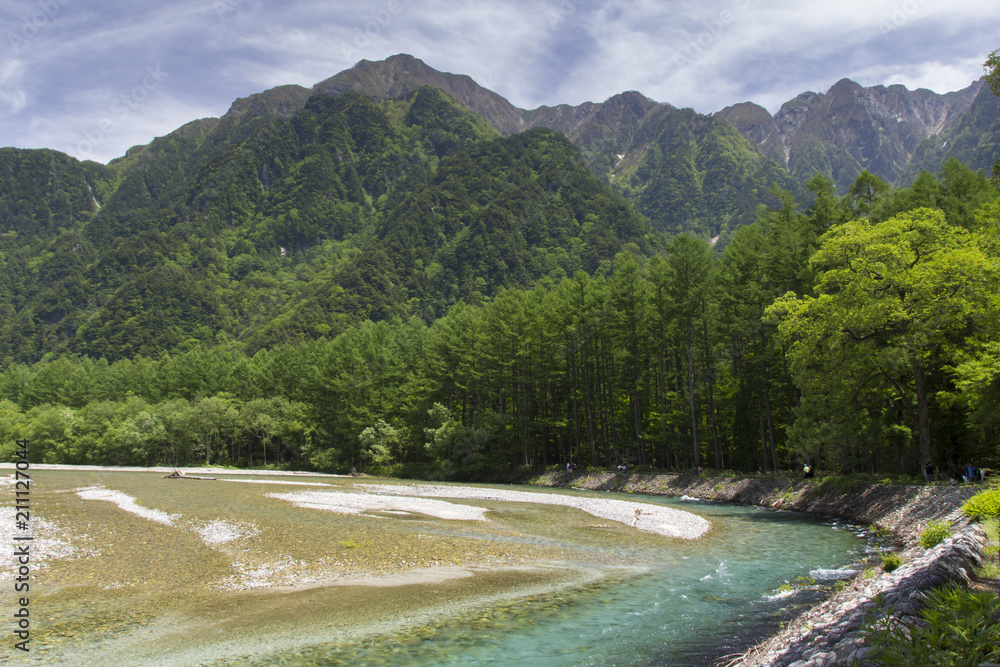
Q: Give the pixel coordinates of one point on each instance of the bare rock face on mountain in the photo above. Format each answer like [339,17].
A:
[851,128]
[758,126]
[282,101]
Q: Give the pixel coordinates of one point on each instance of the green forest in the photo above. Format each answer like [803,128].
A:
[395,288]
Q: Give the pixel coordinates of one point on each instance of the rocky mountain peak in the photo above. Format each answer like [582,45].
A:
[401,75]
[631,102]
[282,101]
[851,127]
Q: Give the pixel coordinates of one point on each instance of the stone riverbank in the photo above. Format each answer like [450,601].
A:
[828,634]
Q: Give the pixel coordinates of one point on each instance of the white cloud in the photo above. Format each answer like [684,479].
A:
[701,53]
[933,75]
[13,96]
[104,135]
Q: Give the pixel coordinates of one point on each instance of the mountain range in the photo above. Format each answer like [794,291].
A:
[392,189]
[890,131]
[689,172]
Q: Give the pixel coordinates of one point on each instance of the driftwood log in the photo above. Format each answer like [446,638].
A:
[177,474]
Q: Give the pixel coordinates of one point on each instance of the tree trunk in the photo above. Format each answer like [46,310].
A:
[663,409]
[711,388]
[767,401]
[694,414]
[763,436]
[576,412]
[923,413]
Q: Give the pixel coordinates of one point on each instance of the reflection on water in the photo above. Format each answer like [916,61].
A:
[243,578]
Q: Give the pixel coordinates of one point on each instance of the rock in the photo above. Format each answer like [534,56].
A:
[821,660]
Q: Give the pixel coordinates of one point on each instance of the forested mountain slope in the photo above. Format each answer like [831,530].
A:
[272,224]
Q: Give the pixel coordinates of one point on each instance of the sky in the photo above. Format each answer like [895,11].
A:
[92,78]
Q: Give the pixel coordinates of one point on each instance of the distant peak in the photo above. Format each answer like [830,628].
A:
[401,60]
[282,100]
[750,109]
[846,83]
[405,58]
[630,96]
[401,75]
[636,103]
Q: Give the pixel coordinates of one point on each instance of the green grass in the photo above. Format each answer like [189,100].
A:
[992,528]
[351,544]
[880,531]
[934,534]
[890,561]
[843,484]
[990,568]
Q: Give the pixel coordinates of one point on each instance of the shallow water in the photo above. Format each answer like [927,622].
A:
[537,584]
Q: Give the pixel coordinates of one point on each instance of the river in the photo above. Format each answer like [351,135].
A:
[139,569]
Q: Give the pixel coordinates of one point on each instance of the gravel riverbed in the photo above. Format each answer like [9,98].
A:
[642,516]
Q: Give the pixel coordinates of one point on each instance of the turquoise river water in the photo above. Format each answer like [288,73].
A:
[148,571]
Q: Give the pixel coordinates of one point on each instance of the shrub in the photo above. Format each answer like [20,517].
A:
[934,534]
[984,505]
[956,627]
[890,561]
